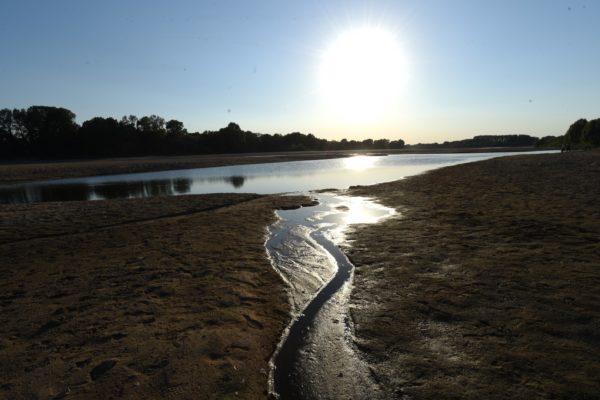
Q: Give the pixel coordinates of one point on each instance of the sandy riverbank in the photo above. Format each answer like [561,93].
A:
[487,284]
[167,297]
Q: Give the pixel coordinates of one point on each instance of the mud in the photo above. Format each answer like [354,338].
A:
[486,285]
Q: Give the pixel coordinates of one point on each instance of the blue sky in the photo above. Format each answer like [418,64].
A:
[475,67]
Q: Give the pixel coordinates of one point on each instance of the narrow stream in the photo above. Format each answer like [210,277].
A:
[316,358]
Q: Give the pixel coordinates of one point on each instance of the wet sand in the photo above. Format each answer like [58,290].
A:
[487,284]
[166,297]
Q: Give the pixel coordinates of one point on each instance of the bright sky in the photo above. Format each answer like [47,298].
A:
[422,71]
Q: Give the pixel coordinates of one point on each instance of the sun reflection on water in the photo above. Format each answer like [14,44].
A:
[363,211]
[359,163]
[342,211]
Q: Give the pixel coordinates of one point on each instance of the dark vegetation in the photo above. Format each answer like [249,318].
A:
[51,132]
[582,134]
[482,141]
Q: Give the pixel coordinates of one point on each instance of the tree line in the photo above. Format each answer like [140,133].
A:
[582,134]
[51,132]
[482,141]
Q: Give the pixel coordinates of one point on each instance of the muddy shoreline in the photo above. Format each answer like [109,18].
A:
[166,297]
[486,284]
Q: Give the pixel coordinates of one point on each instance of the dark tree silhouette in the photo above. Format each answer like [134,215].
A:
[175,128]
[591,132]
[51,132]
[100,137]
[574,134]
[483,141]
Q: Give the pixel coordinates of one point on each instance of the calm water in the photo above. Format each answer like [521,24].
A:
[316,358]
[295,176]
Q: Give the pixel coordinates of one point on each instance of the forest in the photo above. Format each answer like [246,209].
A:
[582,134]
[483,141]
[51,132]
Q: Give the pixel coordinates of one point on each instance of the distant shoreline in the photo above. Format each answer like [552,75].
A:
[22,171]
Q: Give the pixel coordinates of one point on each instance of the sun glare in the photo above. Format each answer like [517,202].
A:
[359,163]
[362,73]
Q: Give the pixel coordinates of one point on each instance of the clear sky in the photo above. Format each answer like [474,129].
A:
[468,67]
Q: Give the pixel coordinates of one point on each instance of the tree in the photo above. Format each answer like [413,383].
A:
[550,141]
[367,143]
[129,121]
[50,130]
[152,123]
[575,131]
[175,127]
[7,139]
[591,132]
[397,144]
[100,137]
[381,144]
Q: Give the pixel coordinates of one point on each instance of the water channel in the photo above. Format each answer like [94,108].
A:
[316,358]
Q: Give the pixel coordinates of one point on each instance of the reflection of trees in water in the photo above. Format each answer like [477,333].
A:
[236,181]
[157,187]
[38,193]
[110,190]
[182,185]
[85,191]
[13,195]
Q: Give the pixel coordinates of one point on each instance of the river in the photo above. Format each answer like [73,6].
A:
[283,177]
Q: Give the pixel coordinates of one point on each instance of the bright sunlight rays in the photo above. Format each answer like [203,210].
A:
[362,74]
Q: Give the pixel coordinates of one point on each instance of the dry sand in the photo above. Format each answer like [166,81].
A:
[167,297]
[487,284]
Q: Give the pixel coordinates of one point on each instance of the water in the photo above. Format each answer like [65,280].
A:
[316,358]
[295,176]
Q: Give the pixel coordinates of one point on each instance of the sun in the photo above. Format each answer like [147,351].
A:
[362,73]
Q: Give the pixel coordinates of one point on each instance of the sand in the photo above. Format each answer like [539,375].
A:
[487,284]
[139,299]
